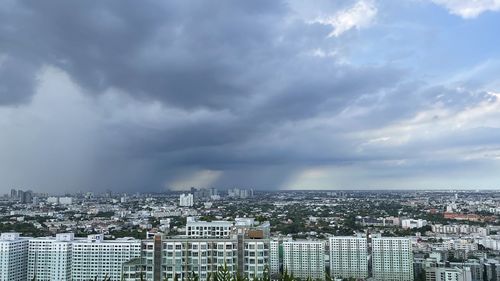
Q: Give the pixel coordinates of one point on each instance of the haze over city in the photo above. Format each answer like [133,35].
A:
[366,94]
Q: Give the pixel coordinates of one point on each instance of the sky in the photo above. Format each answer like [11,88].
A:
[286,94]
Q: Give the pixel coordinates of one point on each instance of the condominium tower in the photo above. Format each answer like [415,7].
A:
[304,259]
[349,257]
[13,252]
[392,259]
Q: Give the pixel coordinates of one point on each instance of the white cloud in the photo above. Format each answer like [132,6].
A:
[436,123]
[358,16]
[469,8]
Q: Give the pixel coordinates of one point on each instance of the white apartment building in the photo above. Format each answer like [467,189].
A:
[96,257]
[392,259]
[53,200]
[203,229]
[65,200]
[348,257]
[448,274]
[460,229]
[412,223]
[466,245]
[186,200]
[490,242]
[304,259]
[49,258]
[13,257]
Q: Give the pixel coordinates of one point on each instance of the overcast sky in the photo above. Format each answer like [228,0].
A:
[328,94]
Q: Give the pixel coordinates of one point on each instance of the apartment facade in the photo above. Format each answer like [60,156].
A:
[348,257]
[13,257]
[392,259]
[49,258]
[95,257]
[304,259]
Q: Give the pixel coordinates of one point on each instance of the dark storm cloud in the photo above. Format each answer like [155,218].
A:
[187,53]
[241,86]
[17,80]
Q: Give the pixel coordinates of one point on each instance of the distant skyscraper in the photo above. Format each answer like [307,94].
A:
[304,259]
[13,194]
[240,193]
[392,259]
[186,200]
[349,257]
[13,257]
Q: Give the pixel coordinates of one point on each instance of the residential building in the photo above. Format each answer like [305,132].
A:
[392,259]
[349,257]
[447,274]
[13,257]
[412,223]
[203,229]
[95,257]
[186,200]
[255,257]
[184,256]
[304,259]
[49,258]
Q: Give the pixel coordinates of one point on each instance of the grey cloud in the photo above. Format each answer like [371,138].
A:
[249,64]
[17,80]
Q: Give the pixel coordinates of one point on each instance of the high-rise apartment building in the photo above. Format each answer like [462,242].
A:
[49,258]
[13,257]
[183,257]
[392,259]
[95,257]
[180,257]
[186,200]
[304,259]
[13,194]
[349,257]
[240,247]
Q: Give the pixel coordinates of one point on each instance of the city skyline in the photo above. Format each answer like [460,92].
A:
[288,94]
